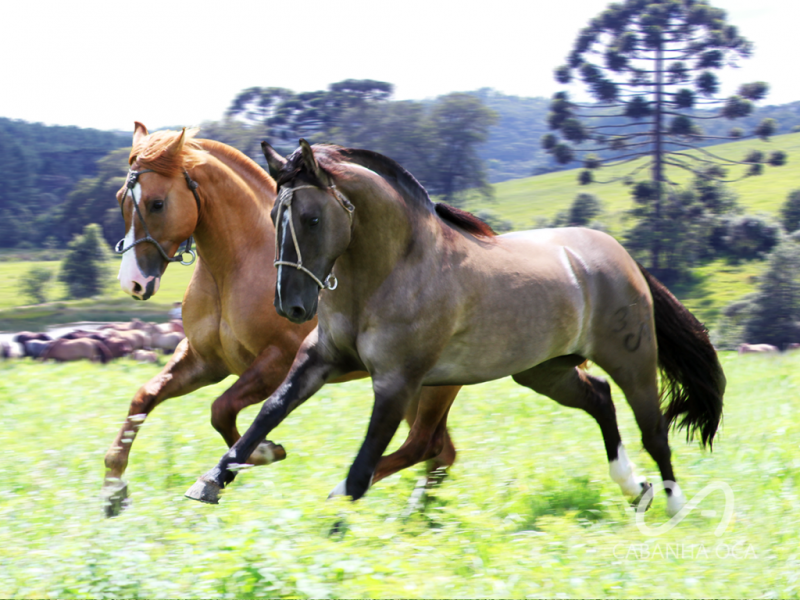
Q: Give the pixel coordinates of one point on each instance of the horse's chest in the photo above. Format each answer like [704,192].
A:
[234,348]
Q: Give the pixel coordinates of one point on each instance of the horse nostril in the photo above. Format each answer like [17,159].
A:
[296,312]
[137,288]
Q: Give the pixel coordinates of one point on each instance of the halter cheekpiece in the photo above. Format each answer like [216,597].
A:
[285,203]
[130,183]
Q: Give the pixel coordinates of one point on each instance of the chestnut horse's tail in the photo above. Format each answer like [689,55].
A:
[693,381]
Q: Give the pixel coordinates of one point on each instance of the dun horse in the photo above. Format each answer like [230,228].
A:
[428,295]
[179,187]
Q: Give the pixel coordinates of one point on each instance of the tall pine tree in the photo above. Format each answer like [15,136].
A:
[650,67]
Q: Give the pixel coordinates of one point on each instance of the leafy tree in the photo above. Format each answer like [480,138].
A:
[650,66]
[774,316]
[584,209]
[35,282]
[436,142]
[459,123]
[790,212]
[286,116]
[86,267]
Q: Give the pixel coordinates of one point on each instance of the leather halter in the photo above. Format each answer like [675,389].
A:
[284,201]
[130,183]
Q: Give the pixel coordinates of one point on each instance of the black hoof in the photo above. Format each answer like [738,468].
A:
[646,487]
[115,498]
[204,491]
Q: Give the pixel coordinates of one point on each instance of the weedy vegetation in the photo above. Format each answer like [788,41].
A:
[527,511]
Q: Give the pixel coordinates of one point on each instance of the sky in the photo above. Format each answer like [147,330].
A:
[105,64]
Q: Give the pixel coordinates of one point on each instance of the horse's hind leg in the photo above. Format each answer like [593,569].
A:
[257,383]
[641,390]
[562,380]
[428,438]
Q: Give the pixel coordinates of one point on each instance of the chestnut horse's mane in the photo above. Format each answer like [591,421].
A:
[152,153]
[330,157]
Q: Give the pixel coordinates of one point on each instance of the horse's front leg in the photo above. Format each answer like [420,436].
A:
[309,372]
[184,373]
[392,395]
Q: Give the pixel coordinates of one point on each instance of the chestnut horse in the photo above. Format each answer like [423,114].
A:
[428,295]
[180,187]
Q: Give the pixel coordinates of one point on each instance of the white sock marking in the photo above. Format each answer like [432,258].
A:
[622,472]
[339,490]
[675,501]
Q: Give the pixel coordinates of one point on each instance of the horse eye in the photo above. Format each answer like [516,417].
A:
[157,206]
[313,222]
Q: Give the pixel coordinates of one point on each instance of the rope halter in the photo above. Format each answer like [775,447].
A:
[284,201]
[130,183]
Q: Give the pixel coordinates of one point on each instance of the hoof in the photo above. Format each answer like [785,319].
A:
[267,453]
[115,498]
[204,491]
[646,487]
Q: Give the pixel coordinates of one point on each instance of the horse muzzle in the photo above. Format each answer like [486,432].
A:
[295,311]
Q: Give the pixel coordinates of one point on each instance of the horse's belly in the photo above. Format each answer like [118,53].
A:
[466,361]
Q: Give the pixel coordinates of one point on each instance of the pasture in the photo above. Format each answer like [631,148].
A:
[528,510]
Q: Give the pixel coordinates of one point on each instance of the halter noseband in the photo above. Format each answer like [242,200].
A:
[285,202]
[130,183]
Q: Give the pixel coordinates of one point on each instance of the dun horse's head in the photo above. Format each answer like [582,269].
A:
[313,223]
[160,206]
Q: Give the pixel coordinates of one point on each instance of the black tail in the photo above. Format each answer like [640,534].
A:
[693,381]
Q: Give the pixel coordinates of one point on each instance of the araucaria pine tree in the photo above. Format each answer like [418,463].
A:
[650,67]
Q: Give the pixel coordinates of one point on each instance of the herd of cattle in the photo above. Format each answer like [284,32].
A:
[138,339]
[764,348]
[141,340]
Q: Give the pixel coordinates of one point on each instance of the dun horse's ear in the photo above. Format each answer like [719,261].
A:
[311,162]
[139,132]
[176,146]
[274,160]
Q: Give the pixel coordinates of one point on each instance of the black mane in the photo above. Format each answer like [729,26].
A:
[395,174]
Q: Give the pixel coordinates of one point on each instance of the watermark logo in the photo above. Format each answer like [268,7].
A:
[690,506]
[685,549]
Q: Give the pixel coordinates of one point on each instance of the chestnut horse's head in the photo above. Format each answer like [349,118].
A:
[313,225]
[160,206]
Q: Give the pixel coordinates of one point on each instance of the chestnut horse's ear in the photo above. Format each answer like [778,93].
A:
[139,132]
[274,160]
[311,162]
[176,146]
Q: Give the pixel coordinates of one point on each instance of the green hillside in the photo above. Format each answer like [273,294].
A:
[523,201]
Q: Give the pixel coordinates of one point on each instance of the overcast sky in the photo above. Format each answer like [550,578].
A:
[104,64]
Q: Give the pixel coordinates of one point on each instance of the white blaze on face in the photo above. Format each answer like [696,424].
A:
[284,228]
[129,272]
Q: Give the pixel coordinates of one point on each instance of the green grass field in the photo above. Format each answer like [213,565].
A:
[15,313]
[528,510]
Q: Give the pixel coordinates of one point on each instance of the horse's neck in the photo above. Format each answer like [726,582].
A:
[235,223]
[388,228]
